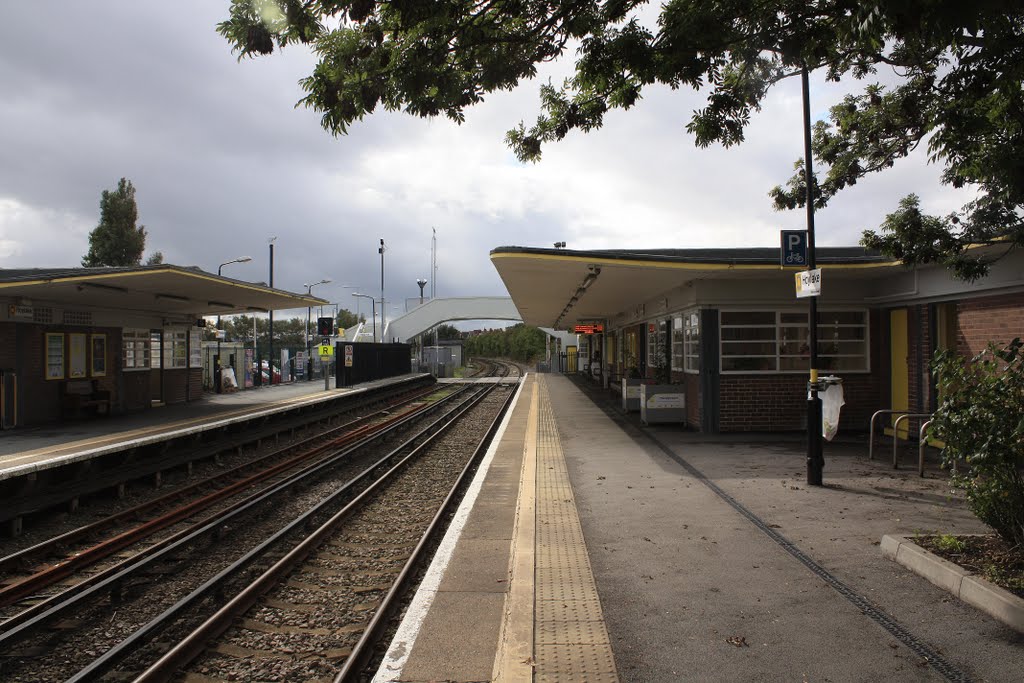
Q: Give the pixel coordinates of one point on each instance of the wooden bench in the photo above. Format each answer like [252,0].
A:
[78,395]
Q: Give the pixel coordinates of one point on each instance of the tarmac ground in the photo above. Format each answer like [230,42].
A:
[713,560]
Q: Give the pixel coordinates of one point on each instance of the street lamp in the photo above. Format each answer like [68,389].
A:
[217,365]
[309,310]
[422,282]
[382,324]
[270,325]
[373,311]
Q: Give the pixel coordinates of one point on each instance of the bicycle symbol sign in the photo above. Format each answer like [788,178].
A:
[794,248]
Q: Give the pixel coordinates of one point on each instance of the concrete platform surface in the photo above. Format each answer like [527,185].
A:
[711,557]
[38,447]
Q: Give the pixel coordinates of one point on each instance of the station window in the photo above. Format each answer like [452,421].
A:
[175,350]
[656,339]
[777,341]
[691,336]
[135,349]
[678,344]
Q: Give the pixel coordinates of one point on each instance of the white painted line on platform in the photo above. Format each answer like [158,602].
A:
[405,637]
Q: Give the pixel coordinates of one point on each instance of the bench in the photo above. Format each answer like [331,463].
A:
[79,395]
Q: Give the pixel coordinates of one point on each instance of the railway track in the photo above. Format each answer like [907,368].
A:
[117,620]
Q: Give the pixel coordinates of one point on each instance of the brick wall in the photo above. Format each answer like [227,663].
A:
[768,403]
[996,318]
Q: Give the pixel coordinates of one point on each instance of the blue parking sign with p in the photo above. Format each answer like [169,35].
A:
[794,248]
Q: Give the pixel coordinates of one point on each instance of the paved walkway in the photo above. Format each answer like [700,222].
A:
[712,560]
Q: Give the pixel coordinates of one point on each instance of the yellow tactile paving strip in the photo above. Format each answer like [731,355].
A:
[570,639]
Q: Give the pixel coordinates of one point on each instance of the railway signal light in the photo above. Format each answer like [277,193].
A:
[325,327]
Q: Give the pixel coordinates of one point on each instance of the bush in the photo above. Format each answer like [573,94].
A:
[981,420]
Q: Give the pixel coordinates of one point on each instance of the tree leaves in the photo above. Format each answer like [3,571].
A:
[116,241]
[958,70]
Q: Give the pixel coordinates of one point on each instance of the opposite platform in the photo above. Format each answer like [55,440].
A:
[28,450]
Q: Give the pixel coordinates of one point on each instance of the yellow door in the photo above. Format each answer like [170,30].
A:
[570,359]
[899,378]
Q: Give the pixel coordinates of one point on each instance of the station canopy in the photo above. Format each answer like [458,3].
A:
[561,288]
[161,289]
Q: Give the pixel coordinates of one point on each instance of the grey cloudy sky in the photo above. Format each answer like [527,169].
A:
[222,160]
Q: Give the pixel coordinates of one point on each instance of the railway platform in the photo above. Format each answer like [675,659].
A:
[39,448]
[590,548]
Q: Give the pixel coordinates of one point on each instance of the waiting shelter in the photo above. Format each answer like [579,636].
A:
[88,341]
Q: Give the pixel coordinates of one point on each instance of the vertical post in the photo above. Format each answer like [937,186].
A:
[815,459]
[270,325]
[382,325]
[309,359]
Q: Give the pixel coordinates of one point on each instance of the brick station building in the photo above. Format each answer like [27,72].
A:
[726,326]
[112,340]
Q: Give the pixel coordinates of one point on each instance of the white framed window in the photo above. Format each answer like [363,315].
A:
[691,341]
[135,349]
[195,348]
[678,344]
[657,338]
[777,341]
[156,345]
[175,351]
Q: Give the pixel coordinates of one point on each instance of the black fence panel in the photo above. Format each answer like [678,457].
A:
[371,361]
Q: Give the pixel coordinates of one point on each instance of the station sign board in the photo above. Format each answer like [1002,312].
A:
[808,283]
[794,248]
[589,328]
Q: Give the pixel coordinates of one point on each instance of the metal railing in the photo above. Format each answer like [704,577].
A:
[871,438]
[896,434]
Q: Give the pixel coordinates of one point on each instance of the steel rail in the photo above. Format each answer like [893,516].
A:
[109,659]
[89,556]
[195,643]
[26,555]
[36,617]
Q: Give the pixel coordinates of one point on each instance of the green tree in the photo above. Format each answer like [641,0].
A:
[981,421]
[347,319]
[116,241]
[956,71]
[519,342]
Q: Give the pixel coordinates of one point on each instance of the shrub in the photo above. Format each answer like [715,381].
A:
[981,420]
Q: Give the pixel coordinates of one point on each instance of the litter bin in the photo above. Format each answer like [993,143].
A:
[830,392]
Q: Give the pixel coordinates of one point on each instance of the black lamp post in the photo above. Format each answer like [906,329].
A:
[216,365]
[383,326]
[422,282]
[309,310]
[270,324]
[815,459]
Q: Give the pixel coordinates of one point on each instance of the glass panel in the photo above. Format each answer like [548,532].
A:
[748,318]
[748,348]
[734,333]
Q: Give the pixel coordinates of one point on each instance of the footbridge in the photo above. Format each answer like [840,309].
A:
[438,311]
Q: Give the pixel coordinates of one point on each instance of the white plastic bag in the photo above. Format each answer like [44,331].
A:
[831,401]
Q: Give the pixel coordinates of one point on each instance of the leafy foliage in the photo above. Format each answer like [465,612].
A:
[981,421]
[116,241]
[287,333]
[347,319]
[442,332]
[958,70]
[519,342]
